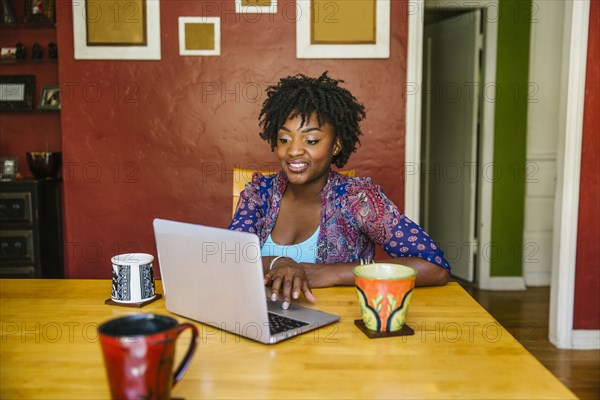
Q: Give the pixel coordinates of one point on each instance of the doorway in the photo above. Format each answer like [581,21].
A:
[572,80]
[450,133]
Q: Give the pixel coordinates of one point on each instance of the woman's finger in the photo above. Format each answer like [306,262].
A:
[308,294]
[267,277]
[275,287]
[297,287]
[287,290]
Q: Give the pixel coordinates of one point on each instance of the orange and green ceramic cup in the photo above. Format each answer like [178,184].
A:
[384,293]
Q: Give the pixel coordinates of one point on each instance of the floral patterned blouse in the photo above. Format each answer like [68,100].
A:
[355,215]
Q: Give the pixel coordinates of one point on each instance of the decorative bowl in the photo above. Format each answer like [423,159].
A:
[44,164]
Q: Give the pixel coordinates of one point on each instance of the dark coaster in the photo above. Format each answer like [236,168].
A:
[111,302]
[405,331]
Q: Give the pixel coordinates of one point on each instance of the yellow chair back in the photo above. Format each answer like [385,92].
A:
[242,176]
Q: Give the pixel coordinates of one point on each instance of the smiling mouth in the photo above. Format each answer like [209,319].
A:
[297,166]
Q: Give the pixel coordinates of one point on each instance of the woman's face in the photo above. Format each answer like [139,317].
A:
[305,151]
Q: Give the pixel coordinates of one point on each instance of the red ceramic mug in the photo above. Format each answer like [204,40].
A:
[138,354]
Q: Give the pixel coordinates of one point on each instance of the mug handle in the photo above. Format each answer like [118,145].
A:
[183,366]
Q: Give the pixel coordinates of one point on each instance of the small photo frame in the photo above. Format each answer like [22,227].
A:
[256,6]
[199,36]
[99,35]
[8,53]
[9,168]
[339,29]
[50,98]
[17,92]
[40,11]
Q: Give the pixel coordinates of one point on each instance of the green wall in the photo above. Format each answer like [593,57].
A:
[505,252]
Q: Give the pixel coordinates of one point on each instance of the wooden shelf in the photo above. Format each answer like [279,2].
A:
[53,61]
[29,25]
[32,128]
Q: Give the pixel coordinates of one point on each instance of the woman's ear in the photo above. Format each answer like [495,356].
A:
[337,146]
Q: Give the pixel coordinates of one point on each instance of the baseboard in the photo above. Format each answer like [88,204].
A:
[537,279]
[586,339]
[507,283]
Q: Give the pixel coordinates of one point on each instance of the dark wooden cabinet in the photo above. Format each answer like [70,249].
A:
[31,244]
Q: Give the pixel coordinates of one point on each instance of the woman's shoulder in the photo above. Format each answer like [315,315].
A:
[343,184]
[261,179]
[265,185]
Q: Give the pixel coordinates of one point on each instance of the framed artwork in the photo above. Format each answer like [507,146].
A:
[256,6]
[199,36]
[116,30]
[40,11]
[17,92]
[8,53]
[343,29]
[50,98]
[9,167]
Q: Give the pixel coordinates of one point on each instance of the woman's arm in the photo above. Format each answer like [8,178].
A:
[289,279]
[248,211]
[326,275]
[404,240]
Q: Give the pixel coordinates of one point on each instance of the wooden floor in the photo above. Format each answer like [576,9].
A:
[525,315]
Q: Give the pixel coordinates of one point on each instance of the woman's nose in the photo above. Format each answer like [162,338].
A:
[296,147]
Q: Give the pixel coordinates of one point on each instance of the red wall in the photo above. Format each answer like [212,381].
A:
[586,314]
[146,139]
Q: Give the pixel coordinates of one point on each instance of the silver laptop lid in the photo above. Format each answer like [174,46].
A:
[213,276]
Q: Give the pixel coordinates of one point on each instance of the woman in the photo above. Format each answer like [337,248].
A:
[315,224]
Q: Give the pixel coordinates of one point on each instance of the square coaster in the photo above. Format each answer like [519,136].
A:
[405,331]
[111,302]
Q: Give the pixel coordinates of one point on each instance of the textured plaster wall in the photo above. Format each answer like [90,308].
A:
[146,139]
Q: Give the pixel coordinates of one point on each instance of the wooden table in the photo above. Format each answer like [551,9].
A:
[49,349]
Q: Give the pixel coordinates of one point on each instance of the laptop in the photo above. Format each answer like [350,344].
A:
[215,276]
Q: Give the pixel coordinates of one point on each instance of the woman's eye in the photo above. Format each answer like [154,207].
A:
[283,140]
[312,141]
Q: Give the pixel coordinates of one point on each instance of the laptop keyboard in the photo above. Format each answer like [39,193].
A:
[278,323]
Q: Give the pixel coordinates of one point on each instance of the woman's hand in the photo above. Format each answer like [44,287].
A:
[290,278]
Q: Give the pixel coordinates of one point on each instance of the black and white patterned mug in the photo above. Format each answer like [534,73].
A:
[132,278]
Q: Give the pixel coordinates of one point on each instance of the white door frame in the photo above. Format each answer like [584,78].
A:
[414,79]
[566,205]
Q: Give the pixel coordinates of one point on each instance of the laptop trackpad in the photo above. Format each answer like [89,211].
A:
[301,313]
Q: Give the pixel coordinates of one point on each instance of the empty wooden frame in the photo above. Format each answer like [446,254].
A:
[256,6]
[199,36]
[116,30]
[343,29]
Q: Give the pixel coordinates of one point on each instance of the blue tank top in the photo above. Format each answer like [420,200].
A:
[299,252]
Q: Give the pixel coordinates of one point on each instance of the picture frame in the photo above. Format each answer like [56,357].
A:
[116,30]
[40,11]
[17,92]
[199,36]
[329,29]
[256,6]
[50,98]
[9,167]
[8,53]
